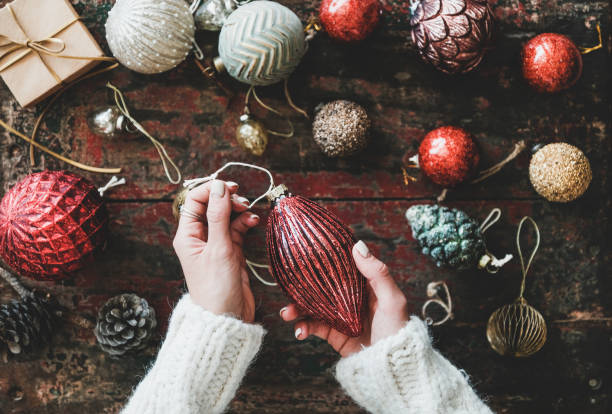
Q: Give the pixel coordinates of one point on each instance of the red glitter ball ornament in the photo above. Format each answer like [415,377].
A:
[50,224]
[551,62]
[448,155]
[349,20]
[310,252]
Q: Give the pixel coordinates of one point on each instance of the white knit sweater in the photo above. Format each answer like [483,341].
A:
[205,356]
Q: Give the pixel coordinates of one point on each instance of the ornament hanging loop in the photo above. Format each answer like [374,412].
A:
[161,150]
[433,292]
[525,268]
[252,91]
[198,181]
[585,50]
[488,261]
[312,28]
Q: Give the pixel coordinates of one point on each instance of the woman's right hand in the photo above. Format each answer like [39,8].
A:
[209,243]
[387,310]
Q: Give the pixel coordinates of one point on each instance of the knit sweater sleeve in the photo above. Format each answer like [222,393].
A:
[200,364]
[404,374]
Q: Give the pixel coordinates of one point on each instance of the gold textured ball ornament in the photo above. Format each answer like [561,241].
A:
[341,128]
[252,135]
[179,200]
[150,36]
[517,329]
[560,172]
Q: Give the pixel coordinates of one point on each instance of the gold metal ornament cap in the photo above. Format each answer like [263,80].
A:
[277,192]
[179,200]
[219,65]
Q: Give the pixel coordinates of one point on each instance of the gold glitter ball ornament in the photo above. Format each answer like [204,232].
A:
[252,135]
[179,200]
[341,128]
[517,329]
[560,172]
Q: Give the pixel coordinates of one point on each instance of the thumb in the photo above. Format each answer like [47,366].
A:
[218,214]
[376,272]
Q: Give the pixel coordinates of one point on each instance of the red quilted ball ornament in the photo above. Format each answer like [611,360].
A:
[448,156]
[310,255]
[50,224]
[349,20]
[551,62]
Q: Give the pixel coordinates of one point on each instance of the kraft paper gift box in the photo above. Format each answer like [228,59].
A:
[32,35]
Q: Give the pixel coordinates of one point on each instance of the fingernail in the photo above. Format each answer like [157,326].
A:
[244,201]
[217,188]
[298,332]
[254,217]
[231,184]
[281,311]
[362,249]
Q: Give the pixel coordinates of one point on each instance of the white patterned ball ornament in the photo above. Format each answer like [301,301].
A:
[261,43]
[150,36]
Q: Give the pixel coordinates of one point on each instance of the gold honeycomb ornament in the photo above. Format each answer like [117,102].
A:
[518,329]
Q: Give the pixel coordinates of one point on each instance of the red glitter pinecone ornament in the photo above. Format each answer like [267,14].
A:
[50,224]
[551,62]
[452,35]
[349,20]
[310,252]
[448,156]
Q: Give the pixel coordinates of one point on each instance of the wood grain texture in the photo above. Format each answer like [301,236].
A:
[570,278]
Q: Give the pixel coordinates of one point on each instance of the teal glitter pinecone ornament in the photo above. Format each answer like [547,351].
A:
[452,238]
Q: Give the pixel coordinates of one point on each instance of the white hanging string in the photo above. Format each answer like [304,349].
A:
[491,219]
[252,265]
[193,7]
[433,289]
[488,261]
[113,182]
[197,181]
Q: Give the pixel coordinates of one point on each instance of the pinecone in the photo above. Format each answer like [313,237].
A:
[452,35]
[125,324]
[26,324]
[448,235]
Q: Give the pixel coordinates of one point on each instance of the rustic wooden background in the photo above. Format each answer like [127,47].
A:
[570,281]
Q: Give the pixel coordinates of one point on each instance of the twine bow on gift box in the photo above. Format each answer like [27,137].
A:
[49,45]
[13,51]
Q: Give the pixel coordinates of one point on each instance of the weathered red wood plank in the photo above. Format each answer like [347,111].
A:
[569,282]
[139,258]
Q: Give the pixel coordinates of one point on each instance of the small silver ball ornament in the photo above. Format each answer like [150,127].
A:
[108,121]
[212,14]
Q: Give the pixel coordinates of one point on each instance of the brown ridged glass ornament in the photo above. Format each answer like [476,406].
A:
[451,35]
[518,329]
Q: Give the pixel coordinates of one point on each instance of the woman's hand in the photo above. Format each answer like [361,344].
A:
[387,314]
[211,253]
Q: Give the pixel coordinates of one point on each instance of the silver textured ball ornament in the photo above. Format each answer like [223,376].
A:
[212,14]
[150,36]
[341,128]
[261,43]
